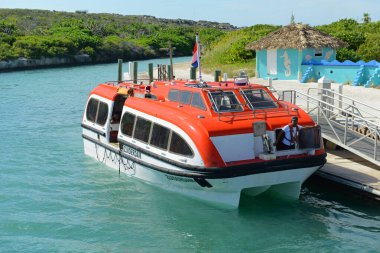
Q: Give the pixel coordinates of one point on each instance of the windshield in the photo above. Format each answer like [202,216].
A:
[225,101]
[258,99]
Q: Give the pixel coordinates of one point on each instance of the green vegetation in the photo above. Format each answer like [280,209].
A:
[228,53]
[35,34]
[105,37]
[362,38]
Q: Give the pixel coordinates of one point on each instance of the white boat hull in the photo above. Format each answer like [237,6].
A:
[224,191]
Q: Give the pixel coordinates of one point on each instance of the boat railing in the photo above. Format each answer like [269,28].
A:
[257,109]
[264,113]
[141,81]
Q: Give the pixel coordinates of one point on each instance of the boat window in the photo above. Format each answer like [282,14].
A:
[258,99]
[142,129]
[173,95]
[127,123]
[160,136]
[197,101]
[102,113]
[97,111]
[185,97]
[92,108]
[225,101]
[179,146]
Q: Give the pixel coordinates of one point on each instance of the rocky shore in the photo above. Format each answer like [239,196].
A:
[23,63]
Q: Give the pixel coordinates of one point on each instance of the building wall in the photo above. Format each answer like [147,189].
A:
[337,74]
[261,63]
[328,54]
[287,64]
[342,72]
[305,66]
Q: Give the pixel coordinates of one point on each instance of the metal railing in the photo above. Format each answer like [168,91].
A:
[346,122]
[252,113]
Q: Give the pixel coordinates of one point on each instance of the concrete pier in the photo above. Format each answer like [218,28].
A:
[346,168]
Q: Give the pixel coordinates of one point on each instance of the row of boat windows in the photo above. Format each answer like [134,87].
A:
[226,101]
[154,134]
[187,98]
[141,129]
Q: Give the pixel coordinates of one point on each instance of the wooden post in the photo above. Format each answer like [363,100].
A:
[218,76]
[193,73]
[135,72]
[150,67]
[120,70]
[170,67]
[170,74]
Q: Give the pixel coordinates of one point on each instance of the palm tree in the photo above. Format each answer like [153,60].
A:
[366,18]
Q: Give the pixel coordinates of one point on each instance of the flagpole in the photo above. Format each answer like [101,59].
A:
[198,56]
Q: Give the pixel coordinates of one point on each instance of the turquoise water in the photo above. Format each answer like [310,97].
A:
[55,199]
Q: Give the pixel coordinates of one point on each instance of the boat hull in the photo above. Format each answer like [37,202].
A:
[224,190]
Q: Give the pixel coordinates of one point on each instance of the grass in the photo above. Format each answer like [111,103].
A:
[231,69]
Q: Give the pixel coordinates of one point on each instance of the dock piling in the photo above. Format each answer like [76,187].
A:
[120,70]
[150,71]
[193,73]
[135,66]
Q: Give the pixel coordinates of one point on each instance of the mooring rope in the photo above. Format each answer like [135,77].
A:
[129,166]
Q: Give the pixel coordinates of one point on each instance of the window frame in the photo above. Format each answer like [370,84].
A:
[190,97]
[229,93]
[251,104]
[98,103]
[168,138]
[135,127]
[318,52]
[172,91]
[200,99]
[181,138]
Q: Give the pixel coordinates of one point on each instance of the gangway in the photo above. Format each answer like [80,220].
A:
[351,124]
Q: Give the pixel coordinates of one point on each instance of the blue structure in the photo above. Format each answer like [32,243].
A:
[359,73]
[299,52]
[285,64]
[280,55]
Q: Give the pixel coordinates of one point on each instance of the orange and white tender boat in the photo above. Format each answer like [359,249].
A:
[209,141]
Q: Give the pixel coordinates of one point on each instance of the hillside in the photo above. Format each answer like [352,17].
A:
[33,34]
[93,38]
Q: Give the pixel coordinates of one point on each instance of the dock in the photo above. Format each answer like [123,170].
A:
[346,168]
[353,127]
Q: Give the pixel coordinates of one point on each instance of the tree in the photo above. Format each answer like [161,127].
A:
[366,18]
[292,19]
[370,50]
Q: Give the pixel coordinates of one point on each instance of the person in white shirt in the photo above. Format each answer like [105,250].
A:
[289,135]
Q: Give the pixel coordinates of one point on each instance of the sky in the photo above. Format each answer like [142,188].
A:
[239,13]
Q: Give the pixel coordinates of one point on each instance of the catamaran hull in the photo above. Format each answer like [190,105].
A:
[223,191]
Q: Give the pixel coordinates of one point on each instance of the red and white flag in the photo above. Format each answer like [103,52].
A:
[195,60]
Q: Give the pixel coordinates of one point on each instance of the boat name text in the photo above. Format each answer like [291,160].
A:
[180,179]
[132,151]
